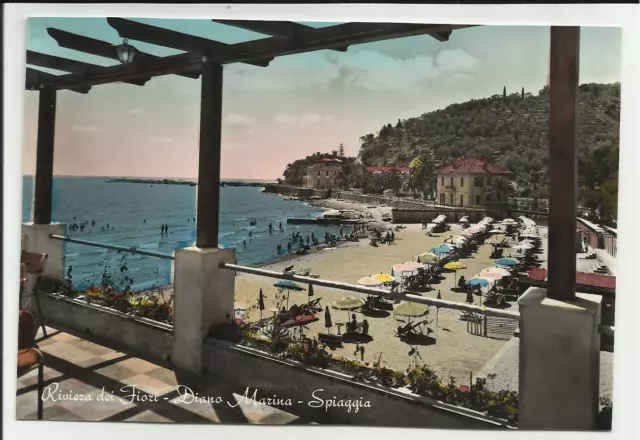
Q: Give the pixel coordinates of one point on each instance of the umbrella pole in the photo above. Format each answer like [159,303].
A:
[288,299]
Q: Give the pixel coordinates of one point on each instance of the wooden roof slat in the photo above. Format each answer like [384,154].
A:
[176,40]
[96,47]
[37,77]
[331,37]
[280,29]
[71,66]
[308,41]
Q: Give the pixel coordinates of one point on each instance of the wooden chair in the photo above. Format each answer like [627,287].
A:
[29,357]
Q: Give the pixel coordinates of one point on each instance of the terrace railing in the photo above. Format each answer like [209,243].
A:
[126,250]
[406,296]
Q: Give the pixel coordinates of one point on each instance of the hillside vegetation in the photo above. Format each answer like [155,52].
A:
[506,129]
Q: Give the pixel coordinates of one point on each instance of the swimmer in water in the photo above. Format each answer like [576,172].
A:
[244,243]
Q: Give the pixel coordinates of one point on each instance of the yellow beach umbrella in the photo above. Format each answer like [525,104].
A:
[384,278]
[455,266]
[369,282]
[411,310]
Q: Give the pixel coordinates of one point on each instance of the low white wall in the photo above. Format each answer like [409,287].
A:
[245,368]
[149,338]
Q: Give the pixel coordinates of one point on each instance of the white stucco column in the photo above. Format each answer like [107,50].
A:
[559,361]
[204,296]
[35,239]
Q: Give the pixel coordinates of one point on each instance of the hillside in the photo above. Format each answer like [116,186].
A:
[510,130]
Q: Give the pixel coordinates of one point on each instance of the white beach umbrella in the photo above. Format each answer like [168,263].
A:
[497,270]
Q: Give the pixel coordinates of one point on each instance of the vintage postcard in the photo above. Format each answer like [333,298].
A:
[337,223]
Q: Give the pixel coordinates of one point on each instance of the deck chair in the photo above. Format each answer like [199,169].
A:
[34,264]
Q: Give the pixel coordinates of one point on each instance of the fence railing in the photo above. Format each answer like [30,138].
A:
[355,288]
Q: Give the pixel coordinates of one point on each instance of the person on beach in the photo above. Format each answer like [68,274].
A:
[289,247]
[281,228]
[279,249]
[161,229]
[93,222]
[166,229]
[144,220]
[250,234]
[270,228]
[244,244]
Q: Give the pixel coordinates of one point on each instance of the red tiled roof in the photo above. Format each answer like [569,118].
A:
[329,159]
[388,169]
[472,165]
[582,279]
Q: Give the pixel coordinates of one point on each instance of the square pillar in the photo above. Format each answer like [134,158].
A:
[44,156]
[563,160]
[559,377]
[35,238]
[208,203]
[203,296]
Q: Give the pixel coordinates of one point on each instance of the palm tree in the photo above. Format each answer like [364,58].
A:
[423,174]
[498,189]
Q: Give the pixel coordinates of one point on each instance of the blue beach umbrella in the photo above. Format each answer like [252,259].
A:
[442,249]
[506,262]
[477,282]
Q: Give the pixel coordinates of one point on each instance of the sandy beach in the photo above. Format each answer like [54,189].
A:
[455,352]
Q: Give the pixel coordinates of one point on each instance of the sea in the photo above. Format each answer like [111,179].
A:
[131,214]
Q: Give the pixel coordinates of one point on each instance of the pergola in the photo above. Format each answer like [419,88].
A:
[204,58]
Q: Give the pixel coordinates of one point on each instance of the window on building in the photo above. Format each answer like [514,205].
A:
[461,182]
[478,182]
[318,183]
[442,181]
[477,200]
[451,182]
[318,173]
[451,199]
[327,174]
[461,200]
[442,199]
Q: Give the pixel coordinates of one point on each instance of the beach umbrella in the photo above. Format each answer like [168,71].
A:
[506,262]
[408,266]
[476,281]
[411,310]
[384,278]
[261,302]
[489,275]
[427,257]
[327,319]
[496,232]
[348,303]
[508,221]
[495,240]
[497,270]
[523,247]
[442,249]
[369,282]
[288,286]
[455,266]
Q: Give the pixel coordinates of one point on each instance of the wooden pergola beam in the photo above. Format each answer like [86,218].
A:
[36,78]
[71,66]
[309,41]
[563,161]
[176,40]
[98,48]
[280,29]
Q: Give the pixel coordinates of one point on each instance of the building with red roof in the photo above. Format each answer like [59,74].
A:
[463,182]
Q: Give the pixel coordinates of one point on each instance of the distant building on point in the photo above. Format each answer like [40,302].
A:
[324,174]
[463,183]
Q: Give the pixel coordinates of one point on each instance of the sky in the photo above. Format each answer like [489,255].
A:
[298,105]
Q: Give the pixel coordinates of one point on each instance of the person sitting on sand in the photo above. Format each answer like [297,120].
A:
[462,283]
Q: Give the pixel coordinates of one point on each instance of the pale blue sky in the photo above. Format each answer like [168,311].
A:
[298,105]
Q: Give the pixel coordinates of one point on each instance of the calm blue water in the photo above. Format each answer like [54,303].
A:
[124,207]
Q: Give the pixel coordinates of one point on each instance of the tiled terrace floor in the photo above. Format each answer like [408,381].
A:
[105,377]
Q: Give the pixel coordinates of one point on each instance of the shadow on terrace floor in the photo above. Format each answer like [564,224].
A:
[102,381]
